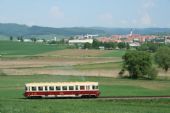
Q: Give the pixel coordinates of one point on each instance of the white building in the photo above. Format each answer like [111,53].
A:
[27,40]
[40,41]
[80,41]
[135,44]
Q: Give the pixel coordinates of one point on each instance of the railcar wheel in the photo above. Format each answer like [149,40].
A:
[93,96]
[35,97]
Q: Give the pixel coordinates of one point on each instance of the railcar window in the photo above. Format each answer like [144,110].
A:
[64,87]
[58,88]
[93,87]
[40,88]
[87,87]
[34,88]
[71,88]
[97,87]
[82,88]
[51,88]
[46,88]
[76,87]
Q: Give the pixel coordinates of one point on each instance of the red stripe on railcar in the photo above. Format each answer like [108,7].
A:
[57,93]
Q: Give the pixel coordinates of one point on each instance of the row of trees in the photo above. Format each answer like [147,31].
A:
[150,47]
[21,38]
[139,63]
[11,38]
[108,45]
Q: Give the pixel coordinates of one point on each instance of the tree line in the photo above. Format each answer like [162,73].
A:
[139,64]
[107,45]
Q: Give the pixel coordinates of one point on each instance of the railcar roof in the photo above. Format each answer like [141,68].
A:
[60,83]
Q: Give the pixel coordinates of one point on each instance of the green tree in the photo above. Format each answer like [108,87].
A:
[162,58]
[137,63]
[96,44]
[109,45]
[121,45]
[22,39]
[152,47]
[143,47]
[11,38]
[18,38]
[127,46]
[87,46]
[152,73]
[34,39]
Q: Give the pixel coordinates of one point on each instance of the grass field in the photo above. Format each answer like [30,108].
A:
[107,66]
[28,58]
[12,101]
[19,48]
[31,61]
[86,53]
[2,37]
[33,58]
[114,53]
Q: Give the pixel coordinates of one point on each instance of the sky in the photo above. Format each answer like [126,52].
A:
[87,13]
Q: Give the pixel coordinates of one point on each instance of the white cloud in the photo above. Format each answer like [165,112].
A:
[56,12]
[145,19]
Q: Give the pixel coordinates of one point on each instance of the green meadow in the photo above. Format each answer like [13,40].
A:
[107,66]
[13,101]
[114,53]
[22,48]
[12,86]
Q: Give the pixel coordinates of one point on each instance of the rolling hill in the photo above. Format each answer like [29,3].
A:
[12,29]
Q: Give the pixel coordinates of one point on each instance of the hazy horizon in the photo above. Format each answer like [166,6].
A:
[91,26]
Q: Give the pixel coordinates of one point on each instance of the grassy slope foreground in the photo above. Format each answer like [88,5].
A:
[12,100]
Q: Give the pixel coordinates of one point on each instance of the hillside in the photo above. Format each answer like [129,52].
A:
[23,30]
[10,29]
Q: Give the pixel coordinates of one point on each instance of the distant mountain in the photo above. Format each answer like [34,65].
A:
[24,30]
[142,31]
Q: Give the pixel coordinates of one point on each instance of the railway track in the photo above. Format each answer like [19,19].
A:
[132,97]
[100,98]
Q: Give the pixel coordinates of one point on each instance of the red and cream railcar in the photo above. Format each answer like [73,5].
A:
[62,89]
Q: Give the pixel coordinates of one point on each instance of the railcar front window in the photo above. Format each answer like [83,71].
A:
[51,88]
[40,88]
[97,87]
[64,87]
[34,88]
